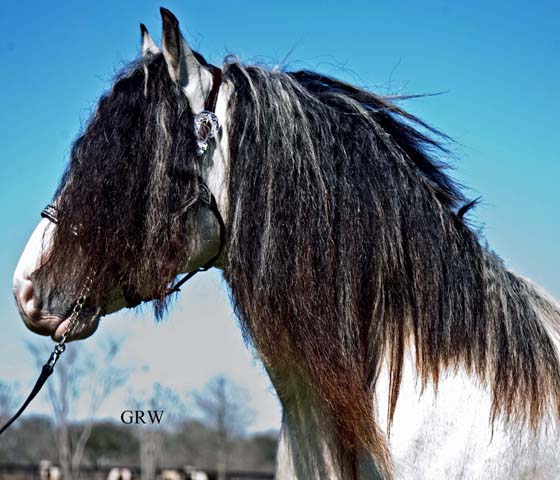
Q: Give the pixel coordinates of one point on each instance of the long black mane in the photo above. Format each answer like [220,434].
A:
[348,247]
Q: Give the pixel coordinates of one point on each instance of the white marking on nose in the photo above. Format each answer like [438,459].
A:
[28,263]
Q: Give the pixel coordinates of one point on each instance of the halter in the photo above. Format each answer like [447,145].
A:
[206,126]
[205,196]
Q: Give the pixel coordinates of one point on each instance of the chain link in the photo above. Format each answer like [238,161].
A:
[78,307]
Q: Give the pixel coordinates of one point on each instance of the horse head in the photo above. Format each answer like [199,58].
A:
[140,200]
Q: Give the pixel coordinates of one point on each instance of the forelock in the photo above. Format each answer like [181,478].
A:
[131,172]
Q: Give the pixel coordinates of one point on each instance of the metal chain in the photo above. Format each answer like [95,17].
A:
[78,307]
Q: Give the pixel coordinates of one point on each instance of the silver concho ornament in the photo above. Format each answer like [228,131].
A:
[206,126]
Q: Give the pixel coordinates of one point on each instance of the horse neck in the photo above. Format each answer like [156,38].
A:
[309,447]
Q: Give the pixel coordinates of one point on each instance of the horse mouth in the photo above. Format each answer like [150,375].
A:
[55,320]
[55,327]
[85,325]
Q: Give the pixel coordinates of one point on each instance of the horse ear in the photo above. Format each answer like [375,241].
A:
[182,64]
[148,45]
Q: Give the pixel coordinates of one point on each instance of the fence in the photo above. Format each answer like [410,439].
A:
[31,472]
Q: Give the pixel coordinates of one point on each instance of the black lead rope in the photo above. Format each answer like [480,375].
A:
[46,372]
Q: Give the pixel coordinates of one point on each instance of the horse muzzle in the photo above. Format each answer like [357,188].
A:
[51,324]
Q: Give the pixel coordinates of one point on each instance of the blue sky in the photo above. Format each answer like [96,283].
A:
[496,61]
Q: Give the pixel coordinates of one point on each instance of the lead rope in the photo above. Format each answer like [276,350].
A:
[59,348]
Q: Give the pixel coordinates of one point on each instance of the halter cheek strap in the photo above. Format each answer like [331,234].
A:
[205,196]
[213,205]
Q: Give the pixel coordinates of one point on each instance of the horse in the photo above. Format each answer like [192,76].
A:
[47,471]
[194,473]
[187,473]
[170,475]
[399,344]
[119,473]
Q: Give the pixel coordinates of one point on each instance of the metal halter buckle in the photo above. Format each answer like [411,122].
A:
[206,126]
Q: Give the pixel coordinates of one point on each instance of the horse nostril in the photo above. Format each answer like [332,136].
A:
[26,298]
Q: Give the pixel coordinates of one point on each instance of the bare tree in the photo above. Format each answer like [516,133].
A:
[161,399]
[7,402]
[7,409]
[225,408]
[77,372]
[150,451]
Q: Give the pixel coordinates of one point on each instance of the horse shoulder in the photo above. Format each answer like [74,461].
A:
[447,432]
